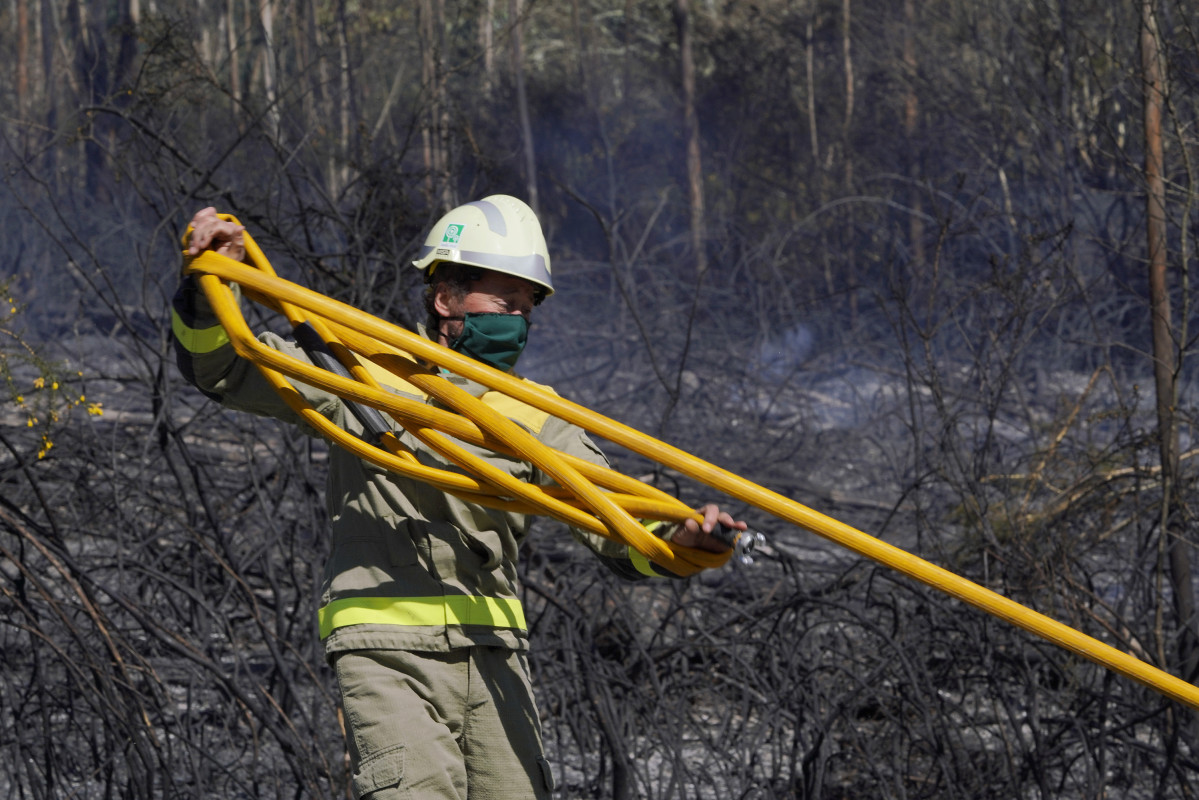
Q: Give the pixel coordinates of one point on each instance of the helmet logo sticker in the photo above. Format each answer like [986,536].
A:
[453,233]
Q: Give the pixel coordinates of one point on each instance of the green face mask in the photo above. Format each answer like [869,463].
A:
[495,339]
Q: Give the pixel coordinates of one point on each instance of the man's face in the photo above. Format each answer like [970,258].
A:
[494,293]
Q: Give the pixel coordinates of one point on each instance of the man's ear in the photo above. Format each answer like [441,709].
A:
[443,301]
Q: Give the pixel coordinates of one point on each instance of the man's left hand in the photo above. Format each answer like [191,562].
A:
[699,535]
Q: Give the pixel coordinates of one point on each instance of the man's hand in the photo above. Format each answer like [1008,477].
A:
[697,535]
[210,232]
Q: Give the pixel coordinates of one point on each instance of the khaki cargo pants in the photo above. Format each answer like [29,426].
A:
[442,725]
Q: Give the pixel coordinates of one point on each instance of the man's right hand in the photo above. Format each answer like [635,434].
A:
[210,232]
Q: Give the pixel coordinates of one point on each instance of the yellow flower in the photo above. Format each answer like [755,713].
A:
[20,400]
[95,410]
[39,383]
[54,386]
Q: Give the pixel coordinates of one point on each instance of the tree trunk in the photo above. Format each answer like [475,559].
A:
[49,95]
[91,67]
[266,15]
[342,156]
[1165,362]
[434,133]
[522,103]
[487,45]
[848,266]
[695,176]
[809,59]
[911,117]
[428,79]
[815,183]
[234,62]
[128,13]
[22,63]
[847,56]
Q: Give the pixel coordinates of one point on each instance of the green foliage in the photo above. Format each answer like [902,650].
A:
[40,395]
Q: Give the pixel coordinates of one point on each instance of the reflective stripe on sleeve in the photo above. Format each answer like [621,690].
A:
[639,561]
[196,340]
[643,564]
[457,609]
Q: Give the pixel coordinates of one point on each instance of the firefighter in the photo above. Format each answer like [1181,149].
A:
[419,611]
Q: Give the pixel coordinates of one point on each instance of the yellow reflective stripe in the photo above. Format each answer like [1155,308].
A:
[456,609]
[643,564]
[195,340]
[640,562]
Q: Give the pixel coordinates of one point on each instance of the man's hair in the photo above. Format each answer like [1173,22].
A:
[457,278]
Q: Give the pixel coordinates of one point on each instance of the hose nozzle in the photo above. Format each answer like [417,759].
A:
[744,543]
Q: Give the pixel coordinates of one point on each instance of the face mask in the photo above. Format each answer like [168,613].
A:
[495,339]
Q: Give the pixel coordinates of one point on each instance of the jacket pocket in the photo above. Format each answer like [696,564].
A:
[381,771]
[455,551]
[401,546]
[487,545]
[385,539]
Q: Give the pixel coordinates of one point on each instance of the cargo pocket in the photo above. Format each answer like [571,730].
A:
[378,773]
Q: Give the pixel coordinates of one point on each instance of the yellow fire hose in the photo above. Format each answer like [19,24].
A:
[587,496]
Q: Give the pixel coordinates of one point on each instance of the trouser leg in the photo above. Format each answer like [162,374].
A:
[448,726]
[403,743]
[502,741]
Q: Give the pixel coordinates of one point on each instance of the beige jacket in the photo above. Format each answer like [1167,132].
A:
[411,567]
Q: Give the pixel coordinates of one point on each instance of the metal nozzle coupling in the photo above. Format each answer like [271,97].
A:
[744,543]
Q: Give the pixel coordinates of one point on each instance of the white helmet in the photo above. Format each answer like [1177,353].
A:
[498,233]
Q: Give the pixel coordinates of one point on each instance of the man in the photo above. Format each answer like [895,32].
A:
[419,606]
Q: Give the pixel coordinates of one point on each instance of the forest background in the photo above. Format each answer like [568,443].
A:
[922,265]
